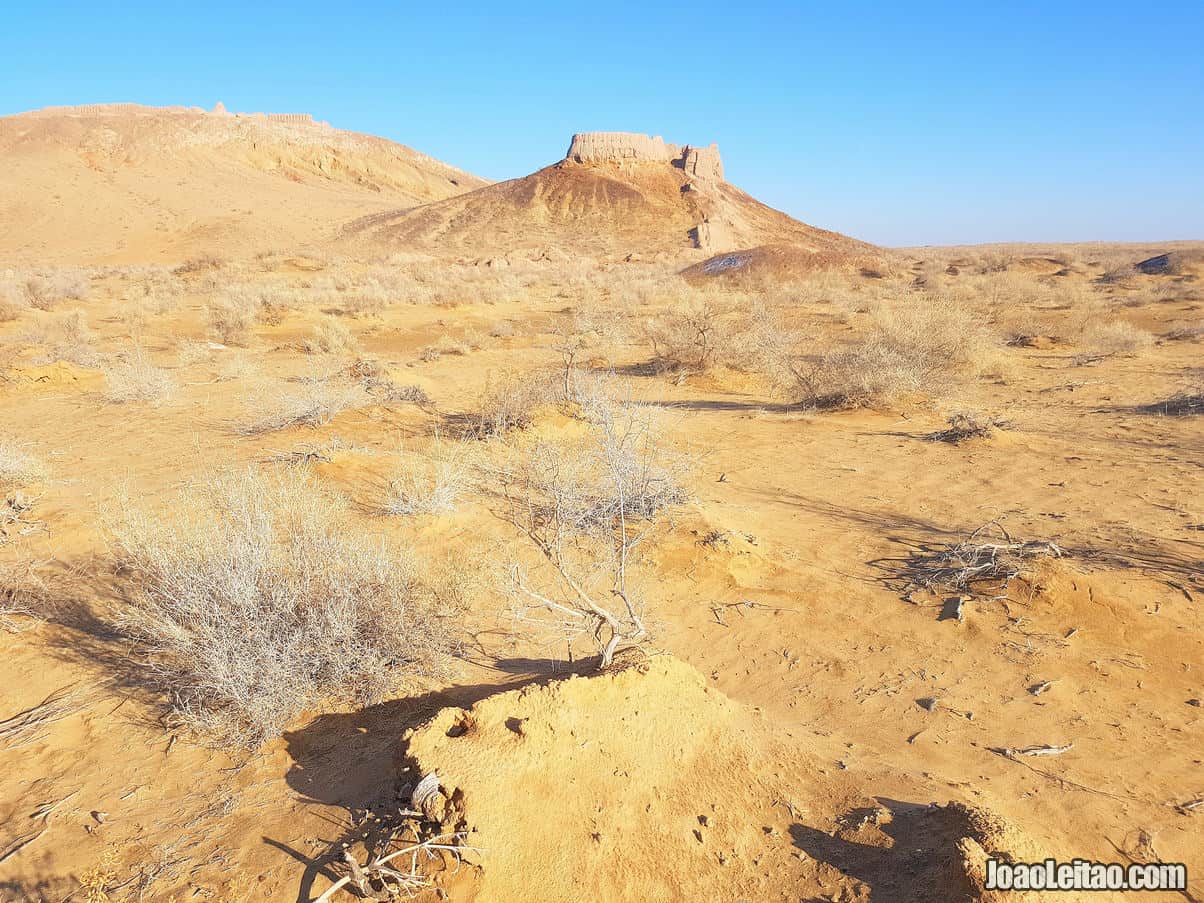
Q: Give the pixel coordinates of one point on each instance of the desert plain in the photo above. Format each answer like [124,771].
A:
[603,534]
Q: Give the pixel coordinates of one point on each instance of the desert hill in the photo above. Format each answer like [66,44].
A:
[129,183]
[614,193]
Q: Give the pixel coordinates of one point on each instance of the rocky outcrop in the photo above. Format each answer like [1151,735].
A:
[702,162]
[632,147]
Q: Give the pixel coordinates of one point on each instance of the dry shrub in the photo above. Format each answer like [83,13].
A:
[12,301]
[47,290]
[918,347]
[332,337]
[376,382]
[23,595]
[257,600]
[501,329]
[67,338]
[199,264]
[691,337]
[1116,337]
[18,468]
[428,484]
[984,564]
[511,402]
[136,378]
[965,425]
[230,320]
[586,503]
[315,402]
[445,346]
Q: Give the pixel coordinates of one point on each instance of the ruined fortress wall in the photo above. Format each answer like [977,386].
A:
[292,118]
[593,147]
[102,109]
[703,162]
[619,147]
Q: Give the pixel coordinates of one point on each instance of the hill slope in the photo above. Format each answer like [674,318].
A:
[121,182]
[613,194]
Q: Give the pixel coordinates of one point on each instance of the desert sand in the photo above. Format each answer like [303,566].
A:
[920,531]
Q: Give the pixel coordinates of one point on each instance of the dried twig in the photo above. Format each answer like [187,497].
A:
[407,882]
[27,727]
[988,557]
[1043,750]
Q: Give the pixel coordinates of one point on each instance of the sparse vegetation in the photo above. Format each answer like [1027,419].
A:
[135,378]
[920,347]
[965,425]
[332,337]
[586,505]
[427,484]
[230,320]
[45,291]
[986,561]
[1116,337]
[314,402]
[257,601]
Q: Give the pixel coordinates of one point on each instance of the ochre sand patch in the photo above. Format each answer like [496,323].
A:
[646,784]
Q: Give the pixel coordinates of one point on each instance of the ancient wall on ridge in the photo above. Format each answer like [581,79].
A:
[596,147]
[621,147]
[703,162]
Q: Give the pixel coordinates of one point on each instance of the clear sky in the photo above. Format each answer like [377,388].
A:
[903,123]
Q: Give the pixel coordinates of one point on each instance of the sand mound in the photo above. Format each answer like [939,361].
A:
[787,262]
[614,196]
[1173,263]
[646,784]
[122,182]
[1039,266]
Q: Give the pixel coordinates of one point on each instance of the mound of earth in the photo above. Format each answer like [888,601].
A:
[1040,266]
[646,784]
[786,262]
[614,194]
[1173,263]
[127,183]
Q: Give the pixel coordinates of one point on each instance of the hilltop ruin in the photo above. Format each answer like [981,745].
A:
[632,147]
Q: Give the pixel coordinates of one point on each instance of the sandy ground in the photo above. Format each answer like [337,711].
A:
[802,724]
[779,585]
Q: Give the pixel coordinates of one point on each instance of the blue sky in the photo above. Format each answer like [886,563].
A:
[913,123]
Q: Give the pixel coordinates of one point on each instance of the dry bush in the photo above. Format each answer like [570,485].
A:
[136,378]
[511,401]
[985,562]
[919,347]
[428,484]
[315,402]
[332,337]
[13,301]
[23,595]
[66,337]
[199,264]
[586,504]
[257,600]
[691,337]
[229,320]
[1116,337]
[19,468]
[445,346]
[965,425]
[501,329]
[47,290]
[376,382]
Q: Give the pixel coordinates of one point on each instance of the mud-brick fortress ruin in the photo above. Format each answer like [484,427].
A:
[621,147]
